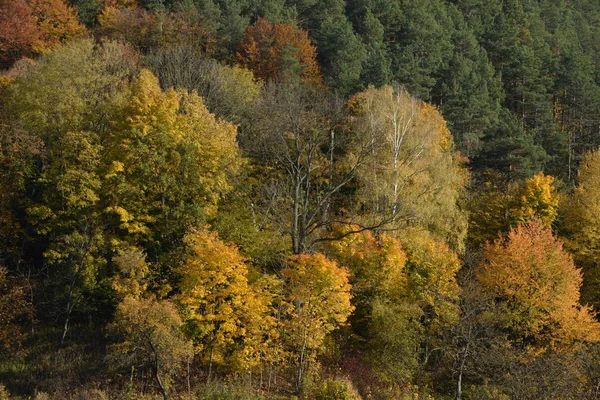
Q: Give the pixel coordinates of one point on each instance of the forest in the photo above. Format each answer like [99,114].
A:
[300,199]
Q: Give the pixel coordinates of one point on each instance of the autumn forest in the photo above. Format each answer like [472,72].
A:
[300,199]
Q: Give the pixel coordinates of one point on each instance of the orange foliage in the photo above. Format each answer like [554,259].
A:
[58,23]
[33,27]
[537,287]
[270,50]
[18,31]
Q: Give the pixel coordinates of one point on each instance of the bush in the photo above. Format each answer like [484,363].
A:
[336,389]
[226,391]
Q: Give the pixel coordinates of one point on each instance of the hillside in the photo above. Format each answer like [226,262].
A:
[278,199]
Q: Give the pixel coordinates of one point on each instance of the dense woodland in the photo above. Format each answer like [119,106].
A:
[278,199]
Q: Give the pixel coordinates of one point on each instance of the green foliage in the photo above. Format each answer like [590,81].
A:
[108,170]
[580,225]
[226,391]
[396,335]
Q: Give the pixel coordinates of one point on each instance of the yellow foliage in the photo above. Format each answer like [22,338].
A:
[130,281]
[581,226]
[431,268]
[171,158]
[151,336]
[376,264]
[537,199]
[228,318]
[318,294]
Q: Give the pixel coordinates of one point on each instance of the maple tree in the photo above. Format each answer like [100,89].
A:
[536,286]
[225,313]
[276,50]
[34,27]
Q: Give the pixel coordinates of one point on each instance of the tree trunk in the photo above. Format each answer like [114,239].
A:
[160,385]
[210,363]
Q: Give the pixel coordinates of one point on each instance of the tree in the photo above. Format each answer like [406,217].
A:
[470,91]
[19,32]
[298,141]
[376,266]
[581,226]
[536,199]
[495,208]
[150,337]
[319,294]
[58,23]
[510,151]
[421,46]
[276,50]
[229,92]
[80,85]
[171,162]
[341,52]
[412,175]
[228,318]
[536,287]
[135,25]
[131,279]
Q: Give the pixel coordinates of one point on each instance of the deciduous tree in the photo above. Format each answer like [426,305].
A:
[536,286]
[228,318]
[19,32]
[278,50]
[58,23]
[150,337]
[319,294]
[581,226]
[412,174]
